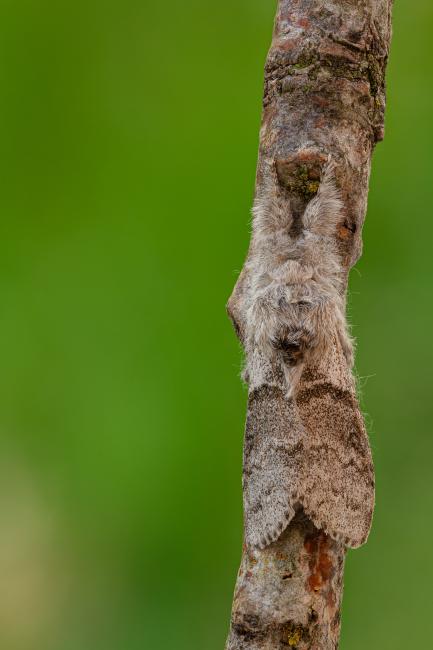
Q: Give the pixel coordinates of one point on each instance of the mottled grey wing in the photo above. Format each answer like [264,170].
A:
[338,484]
[312,450]
[274,455]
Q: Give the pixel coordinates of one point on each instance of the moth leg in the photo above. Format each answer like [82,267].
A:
[306,336]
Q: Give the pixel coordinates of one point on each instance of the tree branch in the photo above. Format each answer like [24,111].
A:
[324,99]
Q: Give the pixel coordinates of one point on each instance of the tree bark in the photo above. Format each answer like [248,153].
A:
[324,95]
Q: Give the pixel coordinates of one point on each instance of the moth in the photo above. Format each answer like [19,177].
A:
[305,441]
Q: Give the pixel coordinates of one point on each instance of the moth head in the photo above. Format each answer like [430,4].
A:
[292,345]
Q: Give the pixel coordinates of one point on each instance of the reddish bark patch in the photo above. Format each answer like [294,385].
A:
[344,232]
[330,598]
[312,156]
[337,51]
[320,123]
[320,101]
[320,562]
[286,44]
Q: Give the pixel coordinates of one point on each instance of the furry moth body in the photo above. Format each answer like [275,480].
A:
[305,444]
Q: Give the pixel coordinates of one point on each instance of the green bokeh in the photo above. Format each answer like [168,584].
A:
[129,136]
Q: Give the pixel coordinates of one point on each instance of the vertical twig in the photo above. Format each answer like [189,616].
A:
[324,96]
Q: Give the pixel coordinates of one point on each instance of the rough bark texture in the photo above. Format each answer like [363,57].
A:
[324,95]
[289,594]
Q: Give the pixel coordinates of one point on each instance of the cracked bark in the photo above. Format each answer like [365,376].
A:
[324,94]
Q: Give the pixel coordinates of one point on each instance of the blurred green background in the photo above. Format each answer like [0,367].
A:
[129,134]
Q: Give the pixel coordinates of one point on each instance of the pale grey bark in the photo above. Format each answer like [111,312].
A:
[324,96]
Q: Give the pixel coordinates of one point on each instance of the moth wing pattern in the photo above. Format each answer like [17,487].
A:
[338,480]
[274,450]
[313,452]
